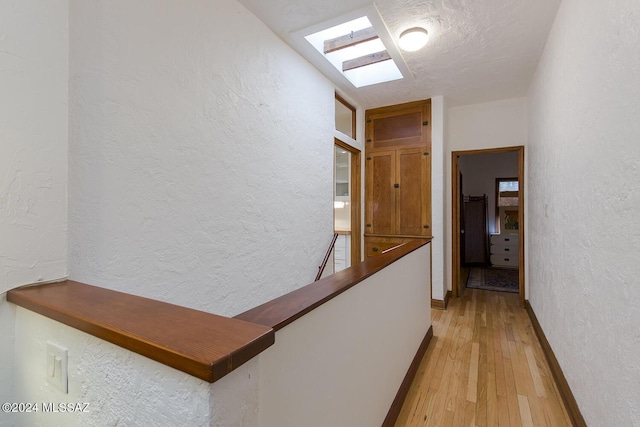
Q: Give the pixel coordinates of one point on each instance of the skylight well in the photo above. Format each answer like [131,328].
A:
[357,52]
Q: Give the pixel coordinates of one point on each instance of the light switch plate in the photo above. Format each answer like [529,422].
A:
[57,366]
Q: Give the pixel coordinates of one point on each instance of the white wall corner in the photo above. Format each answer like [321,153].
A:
[235,397]
[7,355]
[582,204]
[34,39]
[438,282]
[120,386]
[191,177]
[502,123]
[33,152]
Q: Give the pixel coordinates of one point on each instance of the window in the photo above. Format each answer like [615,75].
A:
[356,50]
[507,194]
[345,117]
[507,202]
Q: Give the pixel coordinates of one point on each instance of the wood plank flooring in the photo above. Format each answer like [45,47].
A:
[484,367]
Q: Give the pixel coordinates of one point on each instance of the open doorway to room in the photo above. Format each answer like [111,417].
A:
[346,205]
[487,219]
[346,188]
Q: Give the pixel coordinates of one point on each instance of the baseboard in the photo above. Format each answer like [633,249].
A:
[440,304]
[563,386]
[396,406]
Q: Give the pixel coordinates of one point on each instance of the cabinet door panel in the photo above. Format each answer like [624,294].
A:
[374,246]
[400,126]
[380,177]
[398,130]
[413,197]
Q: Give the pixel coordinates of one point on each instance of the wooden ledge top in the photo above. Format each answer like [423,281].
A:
[283,310]
[201,344]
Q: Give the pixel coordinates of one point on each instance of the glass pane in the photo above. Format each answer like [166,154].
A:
[508,193]
[342,209]
[344,119]
[507,186]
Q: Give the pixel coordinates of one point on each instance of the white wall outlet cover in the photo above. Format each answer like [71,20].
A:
[57,366]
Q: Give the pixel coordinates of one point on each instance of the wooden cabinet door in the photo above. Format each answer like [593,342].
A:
[413,195]
[399,126]
[380,171]
[398,170]
[374,246]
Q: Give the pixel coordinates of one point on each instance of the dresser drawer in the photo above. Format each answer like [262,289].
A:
[504,260]
[504,239]
[377,245]
[504,250]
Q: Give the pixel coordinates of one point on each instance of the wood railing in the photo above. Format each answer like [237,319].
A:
[283,310]
[201,344]
[326,257]
[205,345]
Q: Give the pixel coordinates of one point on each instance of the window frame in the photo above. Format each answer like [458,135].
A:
[497,200]
[342,101]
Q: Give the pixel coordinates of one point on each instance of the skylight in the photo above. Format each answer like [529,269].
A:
[357,52]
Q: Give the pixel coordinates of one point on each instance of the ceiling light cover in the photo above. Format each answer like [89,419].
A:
[413,39]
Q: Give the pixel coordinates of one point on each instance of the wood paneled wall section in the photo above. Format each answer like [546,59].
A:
[397,175]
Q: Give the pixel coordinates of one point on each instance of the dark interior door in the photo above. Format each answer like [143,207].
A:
[475,230]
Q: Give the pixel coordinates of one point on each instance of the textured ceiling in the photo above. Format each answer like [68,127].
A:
[479,50]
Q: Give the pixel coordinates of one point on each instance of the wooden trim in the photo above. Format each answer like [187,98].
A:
[489,150]
[201,344]
[348,40]
[439,304]
[363,61]
[399,107]
[344,102]
[497,197]
[399,236]
[396,406]
[563,386]
[521,236]
[455,212]
[455,224]
[281,311]
[356,198]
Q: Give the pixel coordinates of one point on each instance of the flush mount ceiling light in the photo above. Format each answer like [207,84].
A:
[413,39]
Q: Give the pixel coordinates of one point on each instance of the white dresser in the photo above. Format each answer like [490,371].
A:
[504,250]
[342,253]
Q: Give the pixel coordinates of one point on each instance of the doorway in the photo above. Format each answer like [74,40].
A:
[346,205]
[458,157]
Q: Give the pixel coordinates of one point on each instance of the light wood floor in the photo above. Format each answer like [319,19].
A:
[484,367]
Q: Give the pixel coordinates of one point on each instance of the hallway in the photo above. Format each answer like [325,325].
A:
[484,367]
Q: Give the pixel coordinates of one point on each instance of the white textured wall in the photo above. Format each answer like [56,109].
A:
[479,173]
[121,387]
[7,356]
[584,199]
[342,363]
[438,283]
[201,154]
[479,126]
[33,155]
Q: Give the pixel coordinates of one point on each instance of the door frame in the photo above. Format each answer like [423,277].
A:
[356,199]
[455,220]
